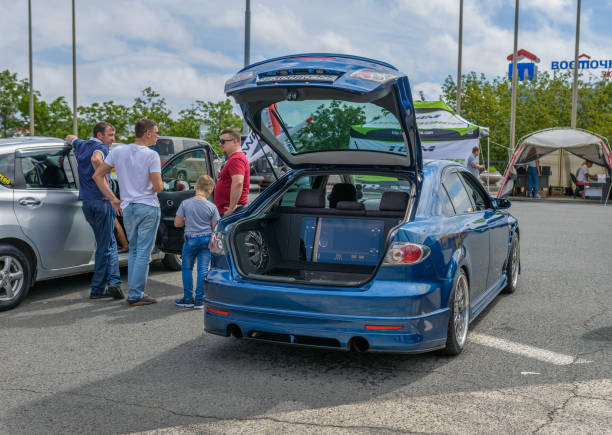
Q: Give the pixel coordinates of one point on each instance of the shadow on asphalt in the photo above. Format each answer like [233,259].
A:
[213,377]
[46,298]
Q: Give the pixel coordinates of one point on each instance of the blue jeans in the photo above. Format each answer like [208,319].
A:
[532,174]
[141,222]
[100,214]
[195,247]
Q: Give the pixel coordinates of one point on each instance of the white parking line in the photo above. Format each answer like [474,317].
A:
[558,359]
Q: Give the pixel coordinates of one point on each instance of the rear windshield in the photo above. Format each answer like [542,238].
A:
[331,125]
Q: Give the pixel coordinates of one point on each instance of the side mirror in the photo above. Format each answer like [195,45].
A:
[501,203]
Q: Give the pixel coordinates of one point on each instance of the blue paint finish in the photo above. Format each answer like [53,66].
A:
[415,297]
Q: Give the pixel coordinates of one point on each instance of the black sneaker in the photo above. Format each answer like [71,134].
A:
[115,292]
[144,300]
[184,303]
[103,295]
[198,305]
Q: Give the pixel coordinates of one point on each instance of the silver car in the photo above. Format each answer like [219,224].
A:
[43,233]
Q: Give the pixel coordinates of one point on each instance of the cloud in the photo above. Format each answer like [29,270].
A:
[186,50]
[431,90]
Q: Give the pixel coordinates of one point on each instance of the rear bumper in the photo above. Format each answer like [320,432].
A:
[417,334]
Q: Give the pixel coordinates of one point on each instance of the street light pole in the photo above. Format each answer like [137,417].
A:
[459,57]
[74,87]
[247,47]
[575,86]
[30,60]
[514,79]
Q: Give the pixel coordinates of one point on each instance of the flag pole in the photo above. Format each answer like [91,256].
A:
[575,86]
[30,60]
[74,86]
[459,57]
[514,80]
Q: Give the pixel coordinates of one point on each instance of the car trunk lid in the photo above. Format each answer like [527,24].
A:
[329,109]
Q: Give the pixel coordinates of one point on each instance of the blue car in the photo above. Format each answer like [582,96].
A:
[361,245]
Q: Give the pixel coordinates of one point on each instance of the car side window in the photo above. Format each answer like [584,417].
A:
[290,196]
[183,172]
[165,146]
[447,206]
[480,201]
[48,168]
[457,193]
[7,169]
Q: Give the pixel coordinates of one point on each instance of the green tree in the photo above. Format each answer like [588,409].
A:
[150,105]
[11,93]
[330,128]
[116,114]
[188,124]
[213,117]
[541,103]
[53,119]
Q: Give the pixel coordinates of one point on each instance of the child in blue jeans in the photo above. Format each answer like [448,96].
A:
[198,216]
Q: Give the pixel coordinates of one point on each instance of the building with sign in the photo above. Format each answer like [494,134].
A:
[526,70]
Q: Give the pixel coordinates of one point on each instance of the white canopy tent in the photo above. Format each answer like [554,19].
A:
[563,149]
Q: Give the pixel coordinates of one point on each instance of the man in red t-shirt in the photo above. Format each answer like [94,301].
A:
[232,189]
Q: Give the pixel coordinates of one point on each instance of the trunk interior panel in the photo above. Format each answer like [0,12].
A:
[314,248]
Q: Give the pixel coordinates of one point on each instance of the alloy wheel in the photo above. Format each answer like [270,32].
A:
[515,262]
[461,310]
[11,278]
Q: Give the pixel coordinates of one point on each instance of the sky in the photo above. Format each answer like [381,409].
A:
[187,49]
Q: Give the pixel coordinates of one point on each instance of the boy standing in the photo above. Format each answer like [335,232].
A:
[199,217]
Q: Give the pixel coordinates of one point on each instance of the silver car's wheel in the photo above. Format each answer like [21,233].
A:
[459,318]
[14,277]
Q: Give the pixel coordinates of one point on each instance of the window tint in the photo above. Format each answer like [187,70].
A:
[480,202]
[183,172]
[7,169]
[291,195]
[459,197]
[48,168]
[165,147]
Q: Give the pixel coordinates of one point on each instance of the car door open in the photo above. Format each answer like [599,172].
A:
[179,176]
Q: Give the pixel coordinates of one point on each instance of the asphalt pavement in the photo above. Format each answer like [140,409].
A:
[537,361]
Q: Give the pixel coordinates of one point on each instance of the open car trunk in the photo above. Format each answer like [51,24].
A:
[307,242]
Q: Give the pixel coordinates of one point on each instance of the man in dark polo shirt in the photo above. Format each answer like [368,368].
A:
[106,280]
[232,189]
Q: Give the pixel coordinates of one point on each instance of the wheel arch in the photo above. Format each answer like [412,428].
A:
[458,261]
[27,250]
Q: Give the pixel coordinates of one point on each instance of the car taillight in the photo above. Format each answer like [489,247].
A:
[373,76]
[402,253]
[218,243]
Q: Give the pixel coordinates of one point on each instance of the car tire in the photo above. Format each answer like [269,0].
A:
[15,277]
[173,261]
[459,318]
[513,266]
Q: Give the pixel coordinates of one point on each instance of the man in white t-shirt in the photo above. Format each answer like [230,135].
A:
[139,176]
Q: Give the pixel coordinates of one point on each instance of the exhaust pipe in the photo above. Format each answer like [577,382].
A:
[234,331]
[359,345]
